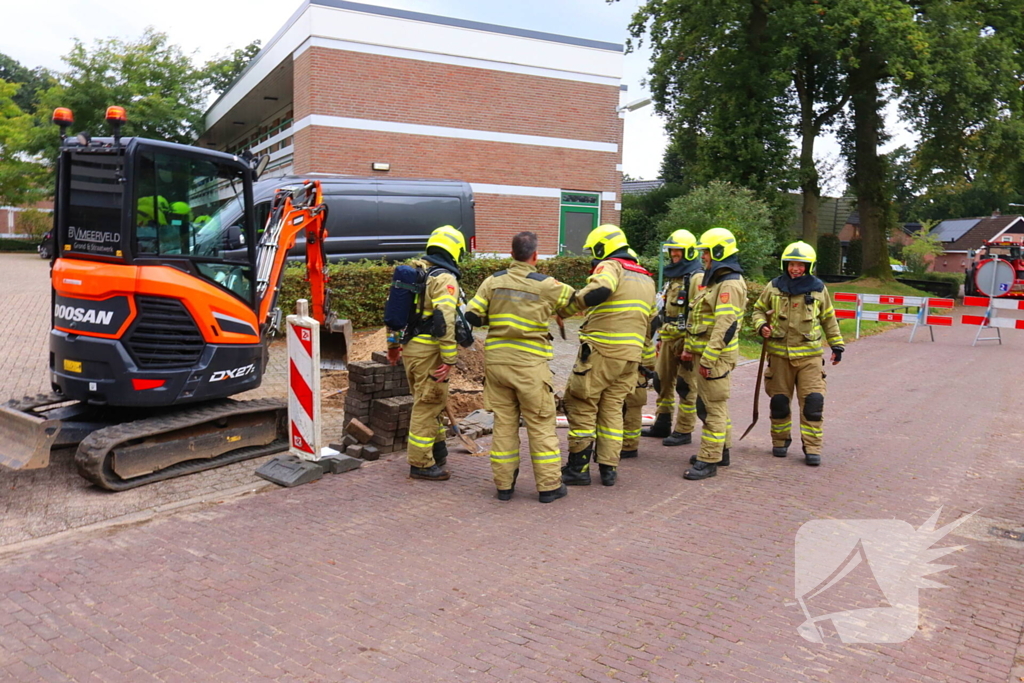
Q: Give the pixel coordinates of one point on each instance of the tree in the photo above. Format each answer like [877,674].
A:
[155,81]
[829,254]
[20,176]
[32,81]
[221,72]
[722,205]
[922,246]
[721,90]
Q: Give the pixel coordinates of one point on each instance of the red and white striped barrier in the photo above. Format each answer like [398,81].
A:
[988,320]
[304,415]
[922,317]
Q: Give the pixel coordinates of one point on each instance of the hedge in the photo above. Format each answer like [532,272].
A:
[359,290]
[18,244]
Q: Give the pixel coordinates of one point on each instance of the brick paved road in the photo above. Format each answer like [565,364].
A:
[370,576]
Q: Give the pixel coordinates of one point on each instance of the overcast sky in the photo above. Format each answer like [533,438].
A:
[210,27]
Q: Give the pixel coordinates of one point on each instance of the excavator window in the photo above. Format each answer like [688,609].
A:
[181,204]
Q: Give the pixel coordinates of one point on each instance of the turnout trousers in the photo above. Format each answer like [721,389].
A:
[598,387]
[806,376]
[632,417]
[713,408]
[429,400]
[513,392]
[673,379]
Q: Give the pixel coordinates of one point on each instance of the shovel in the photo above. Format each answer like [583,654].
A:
[757,386]
[467,442]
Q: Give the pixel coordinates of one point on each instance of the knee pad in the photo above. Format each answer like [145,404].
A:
[682,388]
[814,405]
[779,406]
[702,410]
[657,384]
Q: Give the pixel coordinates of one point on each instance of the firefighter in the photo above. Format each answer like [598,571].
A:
[517,305]
[794,313]
[712,346]
[620,298]
[683,277]
[431,352]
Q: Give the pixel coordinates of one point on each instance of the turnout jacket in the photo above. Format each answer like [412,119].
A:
[516,305]
[619,300]
[799,322]
[441,294]
[674,324]
[717,316]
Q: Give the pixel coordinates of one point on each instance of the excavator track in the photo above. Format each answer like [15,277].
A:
[152,449]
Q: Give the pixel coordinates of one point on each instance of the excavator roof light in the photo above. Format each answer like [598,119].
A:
[63,116]
[116,114]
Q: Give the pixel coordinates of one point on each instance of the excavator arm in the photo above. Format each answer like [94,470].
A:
[295,213]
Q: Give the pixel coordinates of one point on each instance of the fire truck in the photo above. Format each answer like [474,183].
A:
[997,268]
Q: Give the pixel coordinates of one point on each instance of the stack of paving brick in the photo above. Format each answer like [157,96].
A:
[378,396]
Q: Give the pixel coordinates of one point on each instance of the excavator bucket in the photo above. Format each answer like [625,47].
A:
[335,338]
[25,439]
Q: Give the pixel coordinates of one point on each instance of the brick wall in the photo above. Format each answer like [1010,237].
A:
[413,91]
[340,83]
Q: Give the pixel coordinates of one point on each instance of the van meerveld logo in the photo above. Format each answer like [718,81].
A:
[893,553]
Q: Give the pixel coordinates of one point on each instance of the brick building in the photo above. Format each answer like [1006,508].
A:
[961,236]
[530,119]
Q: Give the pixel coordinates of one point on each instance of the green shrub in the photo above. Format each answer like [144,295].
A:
[953,278]
[855,257]
[829,254]
[18,244]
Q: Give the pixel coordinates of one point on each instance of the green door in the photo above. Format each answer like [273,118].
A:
[580,213]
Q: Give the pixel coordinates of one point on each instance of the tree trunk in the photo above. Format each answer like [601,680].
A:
[868,171]
[809,184]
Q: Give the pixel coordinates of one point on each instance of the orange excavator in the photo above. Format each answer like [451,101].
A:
[161,311]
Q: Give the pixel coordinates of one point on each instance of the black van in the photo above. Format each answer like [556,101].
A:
[378,218]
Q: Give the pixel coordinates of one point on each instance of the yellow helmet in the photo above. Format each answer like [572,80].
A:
[146,212]
[181,208]
[720,242]
[800,252]
[450,239]
[685,242]
[605,240]
[633,254]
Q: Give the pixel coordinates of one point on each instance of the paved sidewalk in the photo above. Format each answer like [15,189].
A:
[370,576]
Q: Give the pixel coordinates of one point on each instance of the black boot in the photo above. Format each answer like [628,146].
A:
[628,454]
[506,494]
[577,471]
[552,496]
[432,473]
[661,428]
[701,470]
[677,439]
[440,453]
[780,451]
[608,474]
[812,459]
[724,462]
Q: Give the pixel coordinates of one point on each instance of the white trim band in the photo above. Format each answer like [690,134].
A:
[518,190]
[446,132]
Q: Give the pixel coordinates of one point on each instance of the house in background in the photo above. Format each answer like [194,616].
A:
[960,236]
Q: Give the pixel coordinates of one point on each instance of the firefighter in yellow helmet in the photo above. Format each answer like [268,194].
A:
[151,218]
[683,276]
[517,305]
[619,299]
[431,352]
[794,313]
[632,411]
[712,346]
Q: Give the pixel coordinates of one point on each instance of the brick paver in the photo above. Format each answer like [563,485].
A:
[370,576]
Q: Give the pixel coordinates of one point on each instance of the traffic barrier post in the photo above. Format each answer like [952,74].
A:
[989,320]
[923,318]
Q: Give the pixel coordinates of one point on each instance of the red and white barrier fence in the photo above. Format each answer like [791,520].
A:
[921,318]
[304,414]
[988,320]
